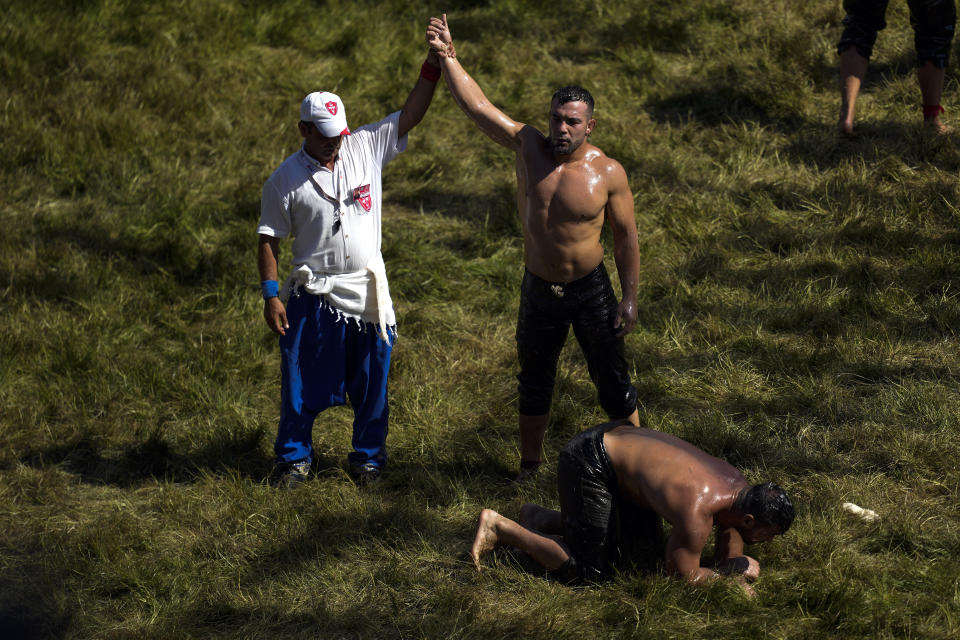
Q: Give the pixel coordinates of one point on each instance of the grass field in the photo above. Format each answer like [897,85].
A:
[799,304]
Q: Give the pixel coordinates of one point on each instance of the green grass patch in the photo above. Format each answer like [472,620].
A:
[799,306]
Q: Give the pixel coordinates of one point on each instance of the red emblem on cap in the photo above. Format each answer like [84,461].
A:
[331,107]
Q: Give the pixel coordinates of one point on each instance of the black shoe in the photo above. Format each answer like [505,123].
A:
[365,473]
[292,474]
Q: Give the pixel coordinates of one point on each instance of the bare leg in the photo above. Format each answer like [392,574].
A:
[853,68]
[532,431]
[931,80]
[537,518]
[494,529]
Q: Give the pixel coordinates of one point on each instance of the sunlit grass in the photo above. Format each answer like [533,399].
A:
[798,309]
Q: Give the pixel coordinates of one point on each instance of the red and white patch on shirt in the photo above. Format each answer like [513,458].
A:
[362,195]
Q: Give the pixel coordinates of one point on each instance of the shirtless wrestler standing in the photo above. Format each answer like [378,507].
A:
[566,187]
[615,482]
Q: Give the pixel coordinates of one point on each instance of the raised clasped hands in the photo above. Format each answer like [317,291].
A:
[439,38]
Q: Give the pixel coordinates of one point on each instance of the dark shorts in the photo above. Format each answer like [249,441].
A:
[547,310]
[932,20]
[603,531]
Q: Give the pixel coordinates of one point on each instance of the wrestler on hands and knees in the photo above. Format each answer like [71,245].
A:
[337,327]
[615,483]
[566,189]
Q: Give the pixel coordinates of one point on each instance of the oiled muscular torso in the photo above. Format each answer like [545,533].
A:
[561,207]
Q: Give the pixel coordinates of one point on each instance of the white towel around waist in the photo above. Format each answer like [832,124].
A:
[362,295]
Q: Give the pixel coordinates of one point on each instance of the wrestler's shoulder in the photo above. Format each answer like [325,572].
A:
[597,157]
[612,171]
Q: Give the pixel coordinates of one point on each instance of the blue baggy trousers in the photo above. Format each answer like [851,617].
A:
[326,358]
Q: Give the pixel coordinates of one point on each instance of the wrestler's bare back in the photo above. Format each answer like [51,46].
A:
[561,205]
[670,475]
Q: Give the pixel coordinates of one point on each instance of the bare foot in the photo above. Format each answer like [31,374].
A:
[936,126]
[845,123]
[845,126]
[486,538]
[747,589]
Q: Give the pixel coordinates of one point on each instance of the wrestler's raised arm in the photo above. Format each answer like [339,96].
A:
[467,93]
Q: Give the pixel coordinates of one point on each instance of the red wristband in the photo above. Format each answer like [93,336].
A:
[429,72]
[932,111]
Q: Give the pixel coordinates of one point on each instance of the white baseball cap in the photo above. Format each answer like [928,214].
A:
[325,110]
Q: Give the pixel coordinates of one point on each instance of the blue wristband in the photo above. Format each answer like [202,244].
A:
[270,289]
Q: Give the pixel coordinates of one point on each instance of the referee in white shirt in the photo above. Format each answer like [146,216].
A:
[337,327]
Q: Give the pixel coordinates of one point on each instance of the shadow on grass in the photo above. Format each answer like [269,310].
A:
[722,102]
[896,278]
[823,148]
[732,95]
[155,458]
[241,453]
[496,212]
[433,478]
[29,607]
[138,253]
[229,621]
[772,356]
[35,602]
[838,297]
[755,233]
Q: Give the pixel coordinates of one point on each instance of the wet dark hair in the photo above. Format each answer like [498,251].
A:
[574,93]
[769,504]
